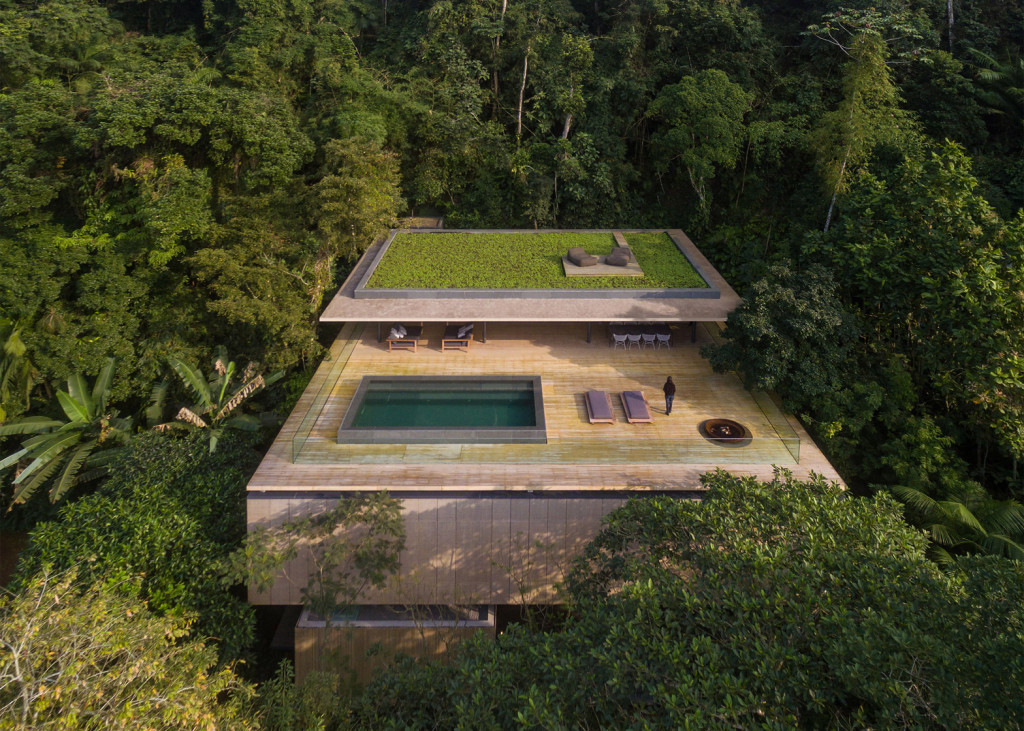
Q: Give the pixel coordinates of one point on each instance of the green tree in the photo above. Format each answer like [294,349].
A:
[168,515]
[868,115]
[704,128]
[792,335]
[958,514]
[760,606]
[74,658]
[350,547]
[1002,87]
[932,269]
[58,452]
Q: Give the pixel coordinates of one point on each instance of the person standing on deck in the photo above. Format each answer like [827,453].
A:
[670,393]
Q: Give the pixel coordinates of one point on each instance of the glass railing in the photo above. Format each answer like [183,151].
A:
[348,337]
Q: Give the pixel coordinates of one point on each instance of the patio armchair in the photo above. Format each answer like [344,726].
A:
[457,336]
[404,337]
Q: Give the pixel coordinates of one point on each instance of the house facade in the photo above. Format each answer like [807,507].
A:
[494,524]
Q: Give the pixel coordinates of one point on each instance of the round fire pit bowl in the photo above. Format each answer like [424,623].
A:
[725,432]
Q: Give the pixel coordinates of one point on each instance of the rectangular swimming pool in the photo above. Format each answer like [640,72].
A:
[445,410]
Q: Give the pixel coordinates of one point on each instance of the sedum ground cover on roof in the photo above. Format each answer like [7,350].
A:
[524,261]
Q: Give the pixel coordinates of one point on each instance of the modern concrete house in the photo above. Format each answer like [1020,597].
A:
[494,514]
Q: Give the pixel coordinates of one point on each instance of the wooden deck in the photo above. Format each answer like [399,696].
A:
[668,454]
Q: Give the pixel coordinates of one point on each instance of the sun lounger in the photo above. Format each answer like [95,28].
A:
[457,336]
[599,407]
[635,405]
[407,341]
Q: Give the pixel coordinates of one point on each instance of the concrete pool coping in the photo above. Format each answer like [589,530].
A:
[536,434]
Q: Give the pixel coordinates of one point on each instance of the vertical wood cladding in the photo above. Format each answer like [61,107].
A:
[475,549]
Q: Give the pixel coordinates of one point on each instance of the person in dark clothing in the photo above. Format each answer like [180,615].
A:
[670,393]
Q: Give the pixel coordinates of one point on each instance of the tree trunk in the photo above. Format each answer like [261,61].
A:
[839,180]
[522,91]
[949,17]
[494,62]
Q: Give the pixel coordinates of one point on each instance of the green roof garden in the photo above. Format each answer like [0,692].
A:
[464,260]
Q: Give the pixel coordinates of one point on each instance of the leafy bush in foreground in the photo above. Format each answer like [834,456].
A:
[161,524]
[777,605]
[73,658]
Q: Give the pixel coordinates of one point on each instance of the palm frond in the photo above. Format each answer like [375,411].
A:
[1001,545]
[915,499]
[75,409]
[959,512]
[943,535]
[941,556]
[188,416]
[12,459]
[37,445]
[1006,516]
[70,473]
[193,379]
[28,425]
[241,395]
[273,378]
[79,391]
[27,489]
[101,388]
[155,411]
[48,455]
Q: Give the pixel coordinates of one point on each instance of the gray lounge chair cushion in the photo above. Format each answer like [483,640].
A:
[635,405]
[599,405]
[617,259]
[397,333]
[465,330]
[578,256]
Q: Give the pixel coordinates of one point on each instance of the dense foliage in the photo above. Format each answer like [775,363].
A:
[177,175]
[73,658]
[167,517]
[523,261]
[770,605]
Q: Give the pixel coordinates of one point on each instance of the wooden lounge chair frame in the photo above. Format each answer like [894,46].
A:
[451,340]
[412,337]
[590,408]
[644,418]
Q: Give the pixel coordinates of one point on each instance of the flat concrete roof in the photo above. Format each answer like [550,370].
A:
[578,305]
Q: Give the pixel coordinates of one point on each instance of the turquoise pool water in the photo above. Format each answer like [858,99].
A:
[484,409]
[446,406]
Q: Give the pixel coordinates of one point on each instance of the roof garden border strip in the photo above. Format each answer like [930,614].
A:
[363,292]
[697,267]
[361,286]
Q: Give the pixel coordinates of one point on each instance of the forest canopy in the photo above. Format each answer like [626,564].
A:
[182,180]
